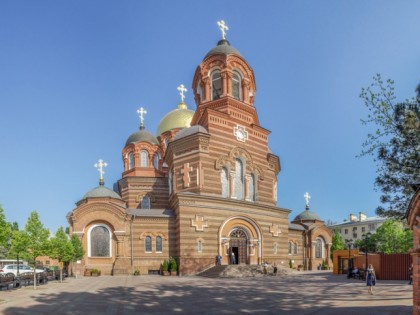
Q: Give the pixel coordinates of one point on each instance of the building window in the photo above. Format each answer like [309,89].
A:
[295,249]
[346,231]
[354,228]
[200,91]
[251,187]
[200,246]
[159,245]
[130,160]
[290,248]
[371,227]
[354,235]
[170,182]
[318,248]
[239,179]
[144,159]
[100,241]
[236,85]
[156,159]
[148,244]
[363,229]
[145,202]
[225,182]
[216,85]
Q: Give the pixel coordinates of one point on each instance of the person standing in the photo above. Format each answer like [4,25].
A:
[233,258]
[370,279]
[410,274]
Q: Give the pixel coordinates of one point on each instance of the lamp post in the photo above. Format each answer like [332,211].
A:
[366,238]
[349,244]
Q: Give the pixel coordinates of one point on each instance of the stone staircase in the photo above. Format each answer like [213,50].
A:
[213,272]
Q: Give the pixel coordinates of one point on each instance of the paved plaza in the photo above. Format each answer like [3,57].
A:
[301,293]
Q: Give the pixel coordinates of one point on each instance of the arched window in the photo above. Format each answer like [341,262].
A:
[156,159]
[159,244]
[295,249]
[130,160]
[100,241]
[200,91]
[148,244]
[236,85]
[318,248]
[200,246]
[145,202]
[239,179]
[251,187]
[290,248]
[216,85]
[144,158]
[225,182]
[170,182]
[275,191]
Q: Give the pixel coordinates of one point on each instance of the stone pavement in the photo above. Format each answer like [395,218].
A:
[305,293]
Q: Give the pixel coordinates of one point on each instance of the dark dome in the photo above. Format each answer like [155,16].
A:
[100,192]
[223,47]
[141,135]
[307,215]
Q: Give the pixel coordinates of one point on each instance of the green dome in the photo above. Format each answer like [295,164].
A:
[141,135]
[178,118]
[223,47]
[101,192]
[307,215]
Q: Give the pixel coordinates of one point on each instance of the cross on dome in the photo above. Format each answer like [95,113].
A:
[182,89]
[307,197]
[223,28]
[141,113]
[100,167]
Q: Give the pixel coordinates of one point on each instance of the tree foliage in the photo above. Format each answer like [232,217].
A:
[393,238]
[5,232]
[337,242]
[61,248]
[78,251]
[395,143]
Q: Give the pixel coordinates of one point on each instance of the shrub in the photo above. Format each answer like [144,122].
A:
[94,270]
[136,272]
[290,263]
[172,264]
[165,265]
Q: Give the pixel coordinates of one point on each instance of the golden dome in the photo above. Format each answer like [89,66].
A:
[178,118]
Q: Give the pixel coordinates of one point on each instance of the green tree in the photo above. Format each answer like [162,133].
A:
[78,251]
[5,233]
[337,242]
[37,239]
[20,241]
[61,248]
[395,144]
[393,238]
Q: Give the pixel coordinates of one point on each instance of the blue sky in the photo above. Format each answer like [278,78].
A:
[73,74]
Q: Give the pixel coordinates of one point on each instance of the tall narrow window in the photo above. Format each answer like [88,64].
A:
[145,202]
[290,248]
[156,159]
[148,244]
[144,159]
[200,91]
[251,187]
[239,179]
[170,182]
[200,246]
[100,242]
[130,160]
[225,182]
[159,244]
[295,248]
[216,85]
[236,86]
[318,248]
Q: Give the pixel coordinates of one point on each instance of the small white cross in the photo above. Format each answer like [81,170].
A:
[100,166]
[223,28]
[307,197]
[141,113]
[181,90]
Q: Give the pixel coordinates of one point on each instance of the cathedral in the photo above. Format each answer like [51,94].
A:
[205,185]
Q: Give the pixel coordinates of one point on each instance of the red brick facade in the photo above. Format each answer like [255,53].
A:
[197,192]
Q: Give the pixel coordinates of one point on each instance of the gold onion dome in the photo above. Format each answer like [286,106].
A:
[178,118]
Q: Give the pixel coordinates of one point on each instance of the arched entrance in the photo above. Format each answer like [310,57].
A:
[241,236]
[238,246]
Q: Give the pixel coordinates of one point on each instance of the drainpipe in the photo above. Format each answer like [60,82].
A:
[131,235]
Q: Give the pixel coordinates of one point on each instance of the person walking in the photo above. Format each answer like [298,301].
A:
[370,279]
[410,274]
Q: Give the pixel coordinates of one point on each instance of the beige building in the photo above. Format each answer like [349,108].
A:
[357,225]
[204,185]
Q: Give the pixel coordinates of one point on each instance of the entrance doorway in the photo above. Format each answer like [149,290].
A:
[238,246]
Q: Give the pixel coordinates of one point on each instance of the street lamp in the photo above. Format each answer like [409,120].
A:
[349,244]
[366,239]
